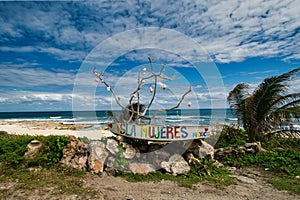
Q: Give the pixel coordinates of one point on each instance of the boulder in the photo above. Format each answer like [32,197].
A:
[190,157]
[109,166]
[254,147]
[76,155]
[34,148]
[156,157]
[206,150]
[201,149]
[141,168]
[112,146]
[176,165]
[97,157]
[3,133]
[130,151]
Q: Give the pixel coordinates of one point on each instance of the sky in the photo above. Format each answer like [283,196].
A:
[48,50]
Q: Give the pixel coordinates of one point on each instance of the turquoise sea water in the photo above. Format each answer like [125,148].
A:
[187,117]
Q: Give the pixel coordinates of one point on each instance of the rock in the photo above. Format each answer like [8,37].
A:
[109,166]
[112,146]
[232,169]
[3,133]
[156,157]
[76,155]
[217,164]
[206,150]
[297,177]
[256,146]
[130,151]
[201,149]
[141,168]
[120,138]
[34,148]
[128,197]
[245,179]
[176,165]
[97,157]
[190,157]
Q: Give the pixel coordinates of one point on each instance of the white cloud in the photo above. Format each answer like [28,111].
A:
[24,75]
[229,30]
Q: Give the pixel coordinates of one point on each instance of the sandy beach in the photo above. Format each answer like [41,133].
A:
[52,128]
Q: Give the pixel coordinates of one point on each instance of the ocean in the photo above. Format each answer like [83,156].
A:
[100,118]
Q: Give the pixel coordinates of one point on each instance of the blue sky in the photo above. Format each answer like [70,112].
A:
[48,49]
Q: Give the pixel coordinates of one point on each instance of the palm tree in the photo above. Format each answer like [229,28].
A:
[268,107]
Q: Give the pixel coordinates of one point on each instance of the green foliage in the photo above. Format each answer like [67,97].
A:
[286,183]
[231,135]
[52,150]
[120,162]
[13,148]
[267,107]
[84,139]
[281,142]
[277,160]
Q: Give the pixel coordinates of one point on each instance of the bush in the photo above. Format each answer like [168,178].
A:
[231,135]
[278,160]
[13,148]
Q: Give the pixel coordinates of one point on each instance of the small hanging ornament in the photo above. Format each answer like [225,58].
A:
[108,88]
[189,104]
[151,90]
[96,80]
[143,81]
[164,86]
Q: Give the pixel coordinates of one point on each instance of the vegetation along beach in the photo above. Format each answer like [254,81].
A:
[150,100]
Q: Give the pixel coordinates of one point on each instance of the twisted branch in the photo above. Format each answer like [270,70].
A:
[136,93]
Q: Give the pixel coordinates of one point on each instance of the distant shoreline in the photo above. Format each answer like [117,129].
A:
[52,128]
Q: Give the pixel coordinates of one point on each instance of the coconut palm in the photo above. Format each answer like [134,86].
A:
[268,107]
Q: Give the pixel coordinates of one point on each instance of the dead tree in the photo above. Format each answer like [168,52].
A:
[141,114]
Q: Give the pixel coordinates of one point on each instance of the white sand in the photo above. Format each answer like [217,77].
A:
[22,128]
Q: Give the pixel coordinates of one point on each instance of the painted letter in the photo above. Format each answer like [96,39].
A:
[169,131]
[122,130]
[151,131]
[162,132]
[184,134]
[176,132]
[156,135]
[144,131]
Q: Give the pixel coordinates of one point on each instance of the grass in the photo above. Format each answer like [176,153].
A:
[288,183]
[55,180]
[219,177]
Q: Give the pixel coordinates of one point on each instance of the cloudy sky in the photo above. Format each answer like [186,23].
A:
[48,49]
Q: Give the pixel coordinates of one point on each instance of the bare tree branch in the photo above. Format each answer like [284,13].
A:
[173,108]
[136,93]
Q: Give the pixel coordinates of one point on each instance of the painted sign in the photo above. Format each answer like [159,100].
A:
[159,133]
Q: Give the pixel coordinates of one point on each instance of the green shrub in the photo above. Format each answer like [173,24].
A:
[278,160]
[52,149]
[231,135]
[13,148]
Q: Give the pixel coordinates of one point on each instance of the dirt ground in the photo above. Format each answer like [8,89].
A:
[251,184]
